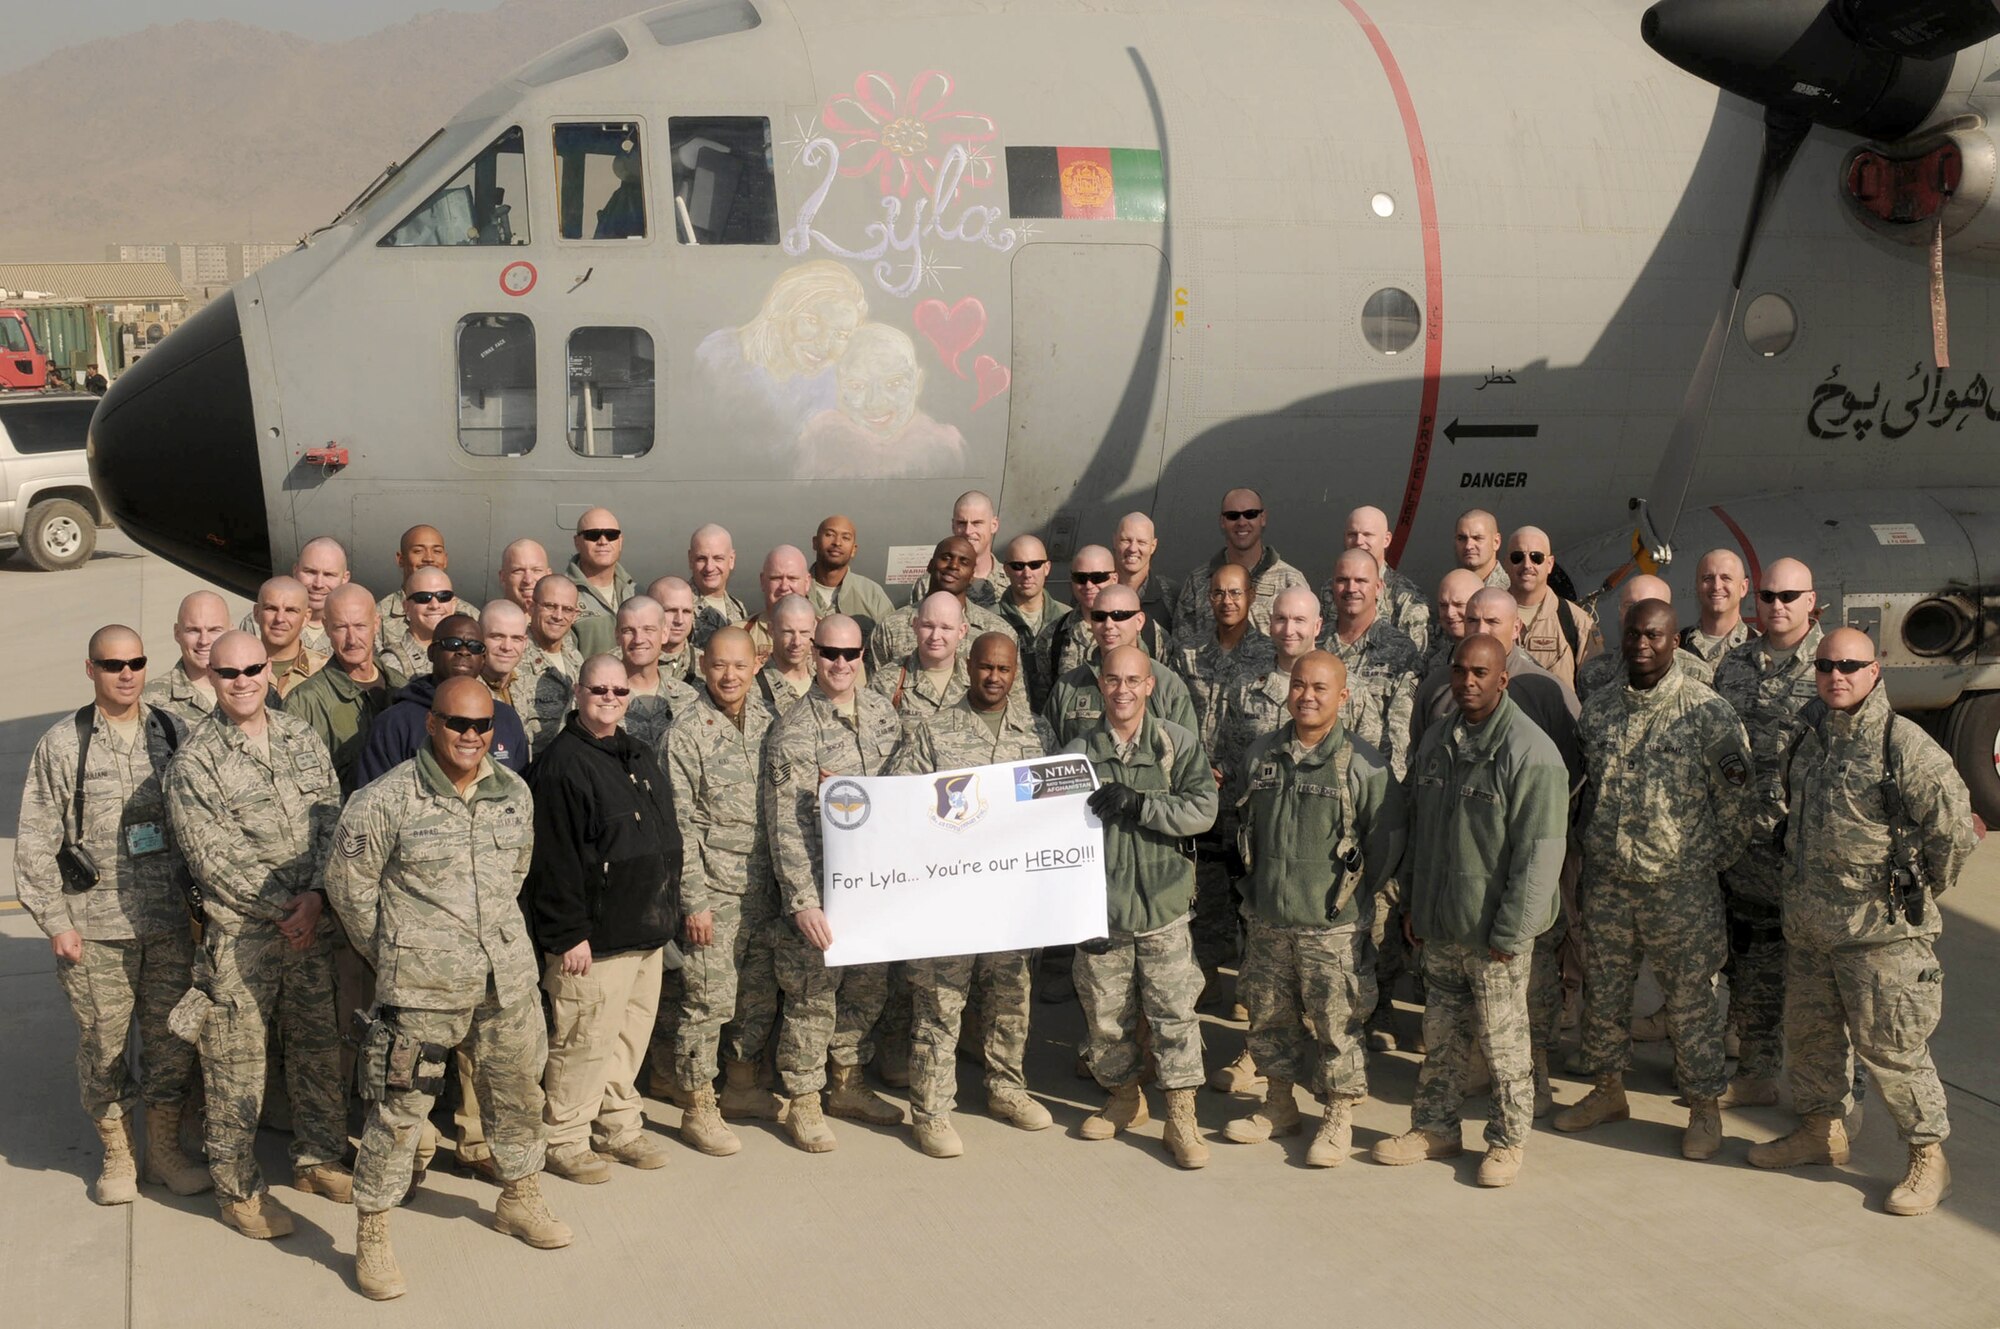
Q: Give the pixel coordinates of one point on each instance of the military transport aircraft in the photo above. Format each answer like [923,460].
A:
[760,260]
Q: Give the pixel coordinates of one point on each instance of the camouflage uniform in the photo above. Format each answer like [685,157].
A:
[1032,637]
[566,659]
[1071,643]
[715,612]
[1307,974]
[391,606]
[1148,965]
[779,693]
[426,882]
[828,1011]
[1668,806]
[1157,596]
[1859,979]
[1608,670]
[1768,688]
[1542,637]
[1194,621]
[952,739]
[895,637]
[1497,578]
[1382,677]
[1714,649]
[255,825]
[312,635]
[137,950]
[915,693]
[1211,672]
[1251,709]
[398,649]
[1402,604]
[596,626]
[650,714]
[1076,703]
[682,663]
[860,598]
[729,988]
[984,591]
[178,695]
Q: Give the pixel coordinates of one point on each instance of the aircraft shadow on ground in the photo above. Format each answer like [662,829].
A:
[17,741]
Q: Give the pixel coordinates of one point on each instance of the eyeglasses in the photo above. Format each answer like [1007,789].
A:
[1115,615]
[461,646]
[1535,556]
[606,690]
[247,671]
[1775,597]
[561,611]
[838,652]
[1844,666]
[1221,593]
[467,724]
[1029,565]
[601,535]
[1242,514]
[1091,578]
[137,664]
[428,597]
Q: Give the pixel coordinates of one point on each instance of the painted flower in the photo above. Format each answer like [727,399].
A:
[903,138]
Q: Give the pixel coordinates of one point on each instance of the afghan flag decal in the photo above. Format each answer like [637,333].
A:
[1086,184]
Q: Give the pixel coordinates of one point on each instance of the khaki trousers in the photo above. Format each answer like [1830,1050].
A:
[602,1022]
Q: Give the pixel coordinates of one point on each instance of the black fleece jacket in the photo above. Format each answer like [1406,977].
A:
[607,859]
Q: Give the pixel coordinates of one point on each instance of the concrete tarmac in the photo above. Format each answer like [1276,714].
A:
[1608,1228]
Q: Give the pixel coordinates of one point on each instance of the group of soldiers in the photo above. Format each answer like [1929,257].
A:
[1332,789]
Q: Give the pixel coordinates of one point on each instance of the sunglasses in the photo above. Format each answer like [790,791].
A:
[137,664]
[607,690]
[1786,597]
[1535,556]
[1242,514]
[1844,666]
[461,646]
[1030,565]
[838,652]
[601,534]
[428,597]
[467,724]
[1092,578]
[1115,615]
[247,671]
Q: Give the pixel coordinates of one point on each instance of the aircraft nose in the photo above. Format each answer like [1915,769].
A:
[173,453]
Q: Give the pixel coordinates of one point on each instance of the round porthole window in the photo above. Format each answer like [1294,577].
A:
[1770,324]
[1383,205]
[1390,320]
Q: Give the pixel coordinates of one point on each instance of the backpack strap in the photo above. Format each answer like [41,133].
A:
[83,728]
[1566,620]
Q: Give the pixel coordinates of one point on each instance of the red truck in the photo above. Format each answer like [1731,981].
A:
[23,367]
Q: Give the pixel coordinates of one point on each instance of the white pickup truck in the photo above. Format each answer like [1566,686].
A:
[46,502]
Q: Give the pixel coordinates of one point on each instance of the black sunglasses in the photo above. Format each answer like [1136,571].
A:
[1535,556]
[1242,514]
[1844,666]
[136,664]
[1773,597]
[1115,615]
[1092,578]
[247,671]
[838,652]
[461,645]
[467,724]
[1029,565]
[428,597]
[606,690]
[605,534]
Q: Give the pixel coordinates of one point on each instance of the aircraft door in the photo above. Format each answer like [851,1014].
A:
[1090,343]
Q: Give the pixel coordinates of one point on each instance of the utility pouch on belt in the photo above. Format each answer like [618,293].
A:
[77,867]
[371,1057]
[190,1016]
[415,1065]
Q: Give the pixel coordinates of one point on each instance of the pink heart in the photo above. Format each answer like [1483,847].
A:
[993,379]
[952,331]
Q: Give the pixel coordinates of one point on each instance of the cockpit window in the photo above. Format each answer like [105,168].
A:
[724,186]
[595,50]
[484,204]
[601,182]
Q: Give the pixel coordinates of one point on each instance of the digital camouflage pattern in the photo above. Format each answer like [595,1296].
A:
[114,984]
[1473,1000]
[1251,709]
[176,694]
[1151,974]
[915,693]
[1034,635]
[1309,992]
[1714,649]
[1402,604]
[984,591]
[1194,621]
[778,693]
[1383,670]
[1210,672]
[895,637]
[715,612]
[650,714]
[1609,671]
[1076,704]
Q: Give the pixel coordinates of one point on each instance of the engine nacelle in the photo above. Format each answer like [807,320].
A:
[1902,191]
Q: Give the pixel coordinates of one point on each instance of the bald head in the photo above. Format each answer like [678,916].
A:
[1454,590]
[711,558]
[784,573]
[282,606]
[1492,611]
[1644,586]
[421,547]
[241,698]
[1368,528]
[1357,587]
[522,564]
[352,625]
[1479,676]
[1529,560]
[1855,670]
[352,599]
[940,627]
[1786,602]
[1475,541]
[201,618]
[321,566]
[1317,691]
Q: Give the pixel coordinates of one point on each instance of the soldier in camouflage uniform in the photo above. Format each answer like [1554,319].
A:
[1234,652]
[1489,806]
[782,577]
[602,583]
[188,691]
[657,697]
[1030,611]
[252,800]
[427,866]
[838,729]
[1321,828]
[1135,542]
[1874,802]
[1155,791]
[1243,519]
[679,657]
[980,729]
[1667,807]
[1066,643]
[405,640]
[1400,600]
[729,988]
[1475,540]
[836,587]
[1608,670]
[950,573]
[550,662]
[420,547]
[976,521]
[1719,586]
[711,558]
[1769,680]
[788,676]
[122,946]
[1075,704]
[1454,592]
[281,616]
[321,569]
[933,676]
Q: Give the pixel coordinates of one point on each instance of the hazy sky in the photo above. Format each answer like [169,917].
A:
[33,28]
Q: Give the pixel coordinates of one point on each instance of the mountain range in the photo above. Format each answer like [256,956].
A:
[221,131]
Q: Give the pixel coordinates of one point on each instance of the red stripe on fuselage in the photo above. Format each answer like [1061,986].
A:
[1420,164]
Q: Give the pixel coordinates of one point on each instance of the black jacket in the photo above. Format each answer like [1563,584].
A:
[398,733]
[607,859]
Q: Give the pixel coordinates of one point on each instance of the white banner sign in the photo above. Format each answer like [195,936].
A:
[967,862]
